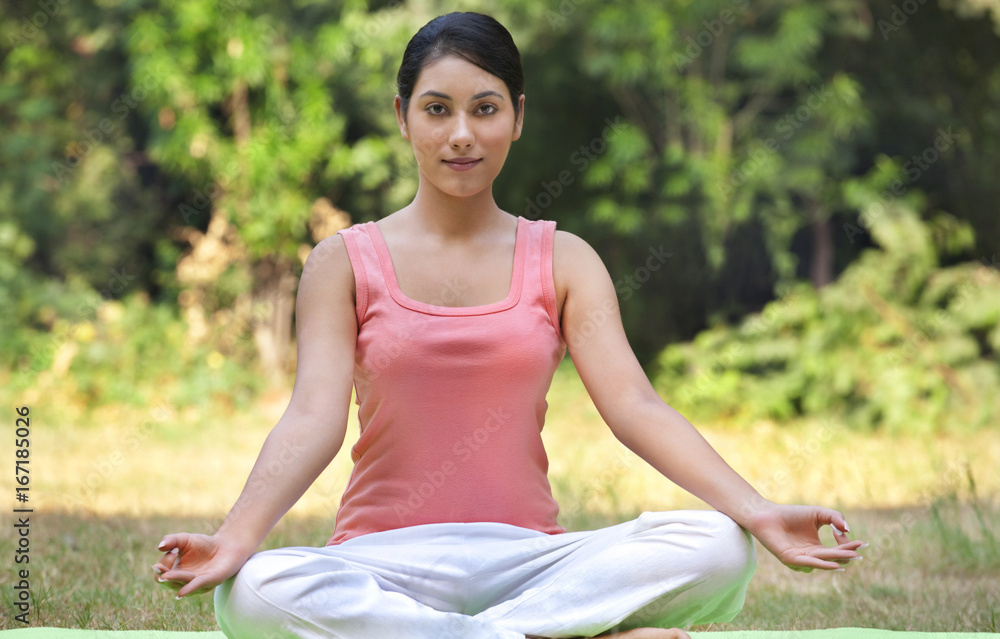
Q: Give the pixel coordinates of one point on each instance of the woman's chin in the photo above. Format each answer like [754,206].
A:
[463,190]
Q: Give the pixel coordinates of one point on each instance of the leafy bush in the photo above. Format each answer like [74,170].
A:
[896,343]
[77,348]
[130,351]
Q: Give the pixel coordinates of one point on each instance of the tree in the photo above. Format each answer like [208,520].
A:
[242,109]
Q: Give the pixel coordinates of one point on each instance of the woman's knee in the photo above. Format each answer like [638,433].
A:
[734,557]
[717,545]
[719,558]
[254,601]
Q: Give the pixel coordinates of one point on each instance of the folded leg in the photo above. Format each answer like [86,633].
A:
[663,569]
[495,581]
[310,593]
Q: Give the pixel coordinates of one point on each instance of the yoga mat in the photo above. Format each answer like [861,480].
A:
[828,633]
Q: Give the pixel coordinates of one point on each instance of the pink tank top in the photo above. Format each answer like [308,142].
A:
[451,399]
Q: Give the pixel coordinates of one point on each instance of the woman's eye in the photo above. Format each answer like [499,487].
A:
[439,109]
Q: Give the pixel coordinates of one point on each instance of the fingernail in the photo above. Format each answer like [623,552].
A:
[864,545]
[175,551]
[836,530]
[858,558]
[157,570]
[839,569]
[847,526]
[178,597]
[162,544]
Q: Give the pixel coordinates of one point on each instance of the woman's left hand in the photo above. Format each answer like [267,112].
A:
[791,533]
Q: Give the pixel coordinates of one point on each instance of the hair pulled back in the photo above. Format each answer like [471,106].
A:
[476,37]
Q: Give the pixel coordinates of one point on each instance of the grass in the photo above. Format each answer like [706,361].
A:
[93,572]
[917,575]
[106,486]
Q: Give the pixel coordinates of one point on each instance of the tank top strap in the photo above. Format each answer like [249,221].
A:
[539,270]
[538,283]
[364,261]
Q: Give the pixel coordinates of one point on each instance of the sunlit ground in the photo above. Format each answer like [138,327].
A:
[106,488]
[194,463]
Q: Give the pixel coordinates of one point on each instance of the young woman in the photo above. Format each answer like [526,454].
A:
[449,318]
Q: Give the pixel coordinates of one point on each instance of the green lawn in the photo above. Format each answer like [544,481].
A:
[928,569]
[108,487]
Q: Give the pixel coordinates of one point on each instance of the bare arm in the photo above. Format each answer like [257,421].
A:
[660,435]
[303,442]
[312,429]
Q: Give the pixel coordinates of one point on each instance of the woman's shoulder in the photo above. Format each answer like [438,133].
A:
[572,249]
[329,251]
[574,263]
[329,262]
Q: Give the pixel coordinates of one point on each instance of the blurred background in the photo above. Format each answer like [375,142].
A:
[797,202]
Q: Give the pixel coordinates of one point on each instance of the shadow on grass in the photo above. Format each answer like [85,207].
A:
[934,568]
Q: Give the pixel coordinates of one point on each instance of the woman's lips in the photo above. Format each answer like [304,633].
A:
[463,164]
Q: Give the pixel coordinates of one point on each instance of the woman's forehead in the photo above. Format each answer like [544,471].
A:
[456,77]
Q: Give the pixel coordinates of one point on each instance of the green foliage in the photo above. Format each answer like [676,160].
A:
[742,117]
[740,128]
[895,344]
[201,58]
[128,352]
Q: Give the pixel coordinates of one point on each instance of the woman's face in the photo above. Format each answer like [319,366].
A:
[459,111]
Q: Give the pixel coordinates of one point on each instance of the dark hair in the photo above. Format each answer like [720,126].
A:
[476,37]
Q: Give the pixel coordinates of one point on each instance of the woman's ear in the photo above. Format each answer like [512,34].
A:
[400,117]
[519,123]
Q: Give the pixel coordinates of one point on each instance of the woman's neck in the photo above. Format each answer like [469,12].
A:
[453,218]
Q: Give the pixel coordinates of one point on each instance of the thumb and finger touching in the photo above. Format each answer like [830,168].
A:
[802,549]
[845,550]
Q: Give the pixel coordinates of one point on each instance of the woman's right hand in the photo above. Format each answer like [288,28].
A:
[312,429]
[194,564]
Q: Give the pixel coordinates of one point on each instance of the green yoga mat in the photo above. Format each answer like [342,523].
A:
[829,633]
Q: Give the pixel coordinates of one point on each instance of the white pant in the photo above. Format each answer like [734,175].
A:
[495,581]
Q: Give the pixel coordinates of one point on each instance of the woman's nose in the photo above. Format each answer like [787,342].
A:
[461,133]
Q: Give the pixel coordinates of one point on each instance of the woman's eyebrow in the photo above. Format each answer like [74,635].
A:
[444,96]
